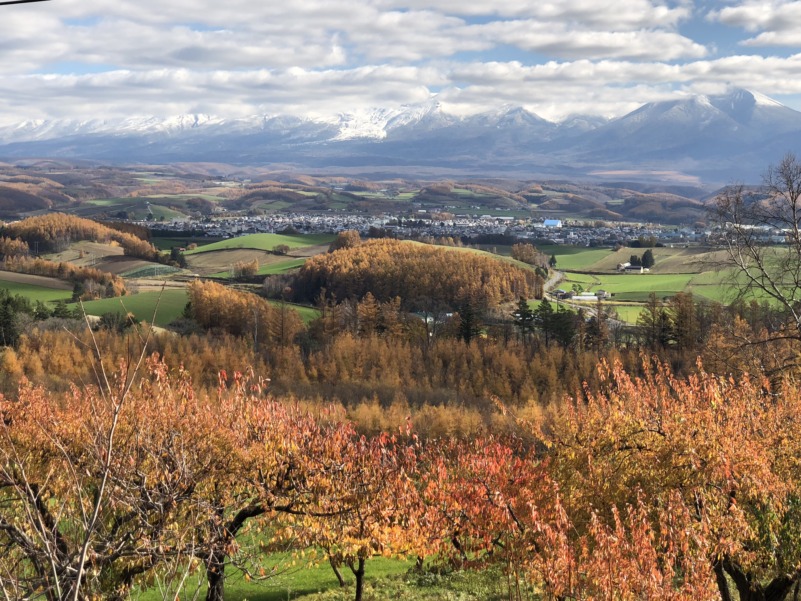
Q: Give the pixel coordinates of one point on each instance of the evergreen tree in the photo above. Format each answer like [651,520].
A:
[61,310]
[177,257]
[647,260]
[524,318]
[598,328]
[563,326]
[655,324]
[8,325]
[41,311]
[543,319]
[470,321]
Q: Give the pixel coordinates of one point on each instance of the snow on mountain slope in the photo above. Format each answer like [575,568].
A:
[730,134]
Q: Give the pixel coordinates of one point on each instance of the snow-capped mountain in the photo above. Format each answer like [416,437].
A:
[724,137]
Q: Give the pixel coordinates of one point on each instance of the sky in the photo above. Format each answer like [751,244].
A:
[106,59]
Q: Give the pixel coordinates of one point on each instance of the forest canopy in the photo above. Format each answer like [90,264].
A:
[421,275]
[55,231]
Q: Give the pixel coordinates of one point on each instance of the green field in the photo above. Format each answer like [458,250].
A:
[676,270]
[170,243]
[627,313]
[36,293]
[167,305]
[573,258]
[266,242]
[385,580]
[165,213]
[171,305]
[292,582]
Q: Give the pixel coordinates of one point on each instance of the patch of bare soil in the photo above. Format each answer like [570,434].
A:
[120,264]
[309,251]
[222,260]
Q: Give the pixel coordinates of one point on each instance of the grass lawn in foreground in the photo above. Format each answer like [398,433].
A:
[295,582]
[170,305]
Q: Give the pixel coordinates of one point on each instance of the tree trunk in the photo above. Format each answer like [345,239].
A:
[338,574]
[723,584]
[776,590]
[358,572]
[215,575]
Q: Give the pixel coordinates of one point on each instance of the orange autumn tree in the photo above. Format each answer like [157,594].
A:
[281,460]
[492,502]
[366,503]
[100,486]
[495,502]
[99,490]
[721,455]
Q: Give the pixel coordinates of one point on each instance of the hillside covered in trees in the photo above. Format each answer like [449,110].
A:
[55,231]
[422,276]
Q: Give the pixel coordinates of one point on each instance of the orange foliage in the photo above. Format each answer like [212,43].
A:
[56,230]
[11,247]
[242,314]
[105,284]
[421,275]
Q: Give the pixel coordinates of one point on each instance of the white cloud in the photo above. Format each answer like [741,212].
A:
[778,21]
[615,14]
[321,57]
[557,40]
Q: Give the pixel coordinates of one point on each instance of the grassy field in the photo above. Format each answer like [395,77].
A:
[676,270]
[573,258]
[277,267]
[167,305]
[168,243]
[668,260]
[36,293]
[265,242]
[154,270]
[294,583]
[385,580]
[35,287]
[626,313]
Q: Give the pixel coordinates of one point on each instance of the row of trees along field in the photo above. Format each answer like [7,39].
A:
[90,282]
[652,488]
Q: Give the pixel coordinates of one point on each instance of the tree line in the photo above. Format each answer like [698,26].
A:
[54,232]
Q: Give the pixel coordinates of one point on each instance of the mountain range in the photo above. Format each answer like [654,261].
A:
[711,139]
